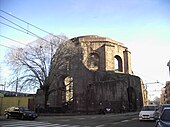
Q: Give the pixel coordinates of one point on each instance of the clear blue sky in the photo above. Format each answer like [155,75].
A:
[142,25]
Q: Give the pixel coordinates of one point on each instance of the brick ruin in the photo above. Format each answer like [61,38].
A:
[99,77]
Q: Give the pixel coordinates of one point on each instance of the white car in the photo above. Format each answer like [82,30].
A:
[148,112]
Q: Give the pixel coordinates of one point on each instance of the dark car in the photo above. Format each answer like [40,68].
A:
[160,109]
[164,119]
[20,113]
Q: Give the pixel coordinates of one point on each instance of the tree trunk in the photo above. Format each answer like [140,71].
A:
[46,101]
[46,95]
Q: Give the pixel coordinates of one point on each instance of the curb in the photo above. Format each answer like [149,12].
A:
[79,114]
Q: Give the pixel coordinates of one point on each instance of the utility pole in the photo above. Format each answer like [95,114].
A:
[16,86]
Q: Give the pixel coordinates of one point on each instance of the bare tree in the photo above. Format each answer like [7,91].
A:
[34,65]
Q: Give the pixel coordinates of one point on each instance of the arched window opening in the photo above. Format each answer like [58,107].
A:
[118,63]
[68,89]
[93,61]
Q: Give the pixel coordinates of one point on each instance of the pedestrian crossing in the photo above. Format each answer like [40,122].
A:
[32,124]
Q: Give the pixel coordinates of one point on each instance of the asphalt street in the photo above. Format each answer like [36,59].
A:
[108,120]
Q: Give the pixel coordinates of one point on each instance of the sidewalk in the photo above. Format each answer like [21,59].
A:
[78,114]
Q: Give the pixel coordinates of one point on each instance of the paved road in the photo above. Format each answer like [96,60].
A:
[109,120]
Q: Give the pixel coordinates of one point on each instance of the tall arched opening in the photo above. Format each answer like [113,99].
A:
[68,81]
[118,63]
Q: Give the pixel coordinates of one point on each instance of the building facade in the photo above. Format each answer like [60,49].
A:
[168,64]
[167,93]
[99,77]
[163,96]
[6,102]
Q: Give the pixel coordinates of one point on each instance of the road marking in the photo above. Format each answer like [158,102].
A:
[125,121]
[81,118]
[32,124]
[102,125]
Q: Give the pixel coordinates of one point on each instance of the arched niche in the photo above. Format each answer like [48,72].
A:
[93,61]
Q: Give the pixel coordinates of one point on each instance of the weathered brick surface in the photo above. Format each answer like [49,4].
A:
[101,86]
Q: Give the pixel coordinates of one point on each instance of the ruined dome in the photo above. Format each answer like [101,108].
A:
[95,38]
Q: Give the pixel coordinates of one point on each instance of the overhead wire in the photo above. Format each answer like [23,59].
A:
[13,27]
[30,24]
[12,39]
[7,46]
[28,32]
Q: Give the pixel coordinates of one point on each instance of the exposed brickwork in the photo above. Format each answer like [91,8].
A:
[96,82]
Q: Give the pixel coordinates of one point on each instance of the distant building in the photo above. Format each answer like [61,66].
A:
[167,92]
[163,96]
[167,87]
[145,94]
[168,64]
[9,99]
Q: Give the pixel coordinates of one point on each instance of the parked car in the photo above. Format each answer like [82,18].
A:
[160,109]
[20,113]
[148,112]
[164,119]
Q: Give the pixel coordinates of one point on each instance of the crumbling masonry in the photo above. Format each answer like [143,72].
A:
[99,77]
